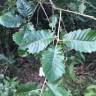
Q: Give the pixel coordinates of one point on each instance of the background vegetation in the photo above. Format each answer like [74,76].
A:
[47,48]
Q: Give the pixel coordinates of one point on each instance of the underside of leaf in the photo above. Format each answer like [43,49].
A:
[81,40]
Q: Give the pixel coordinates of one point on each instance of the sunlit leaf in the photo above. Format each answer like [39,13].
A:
[32,40]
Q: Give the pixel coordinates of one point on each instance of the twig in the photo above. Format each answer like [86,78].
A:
[37,17]
[69,11]
[43,86]
[60,18]
[44,11]
[64,26]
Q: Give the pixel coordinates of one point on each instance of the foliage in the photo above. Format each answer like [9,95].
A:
[49,44]
[38,40]
[90,90]
[8,87]
[81,39]
[24,8]
[6,60]
[55,61]
[11,87]
[15,20]
[58,91]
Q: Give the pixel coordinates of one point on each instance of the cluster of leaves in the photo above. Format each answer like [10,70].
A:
[74,5]
[7,87]
[11,87]
[48,43]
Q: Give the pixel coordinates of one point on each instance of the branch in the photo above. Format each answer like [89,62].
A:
[60,18]
[43,86]
[44,10]
[69,11]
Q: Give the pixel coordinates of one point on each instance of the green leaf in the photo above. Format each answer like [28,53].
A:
[73,6]
[47,92]
[31,93]
[81,40]
[70,71]
[10,20]
[28,88]
[90,90]
[82,8]
[58,91]
[53,21]
[6,60]
[25,8]
[53,63]
[32,40]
